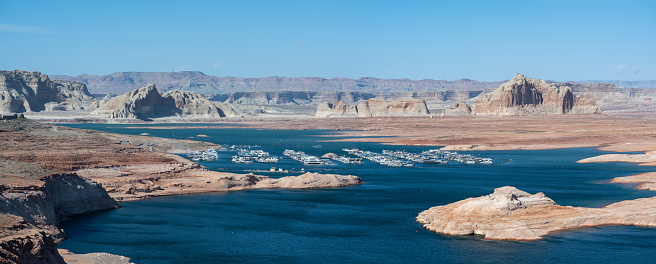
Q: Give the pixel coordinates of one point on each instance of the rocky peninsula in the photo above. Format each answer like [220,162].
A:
[511,214]
[50,173]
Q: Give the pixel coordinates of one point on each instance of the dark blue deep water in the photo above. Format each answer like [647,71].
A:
[369,223]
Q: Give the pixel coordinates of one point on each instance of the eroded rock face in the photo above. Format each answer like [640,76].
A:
[458,109]
[193,104]
[336,109]
[374,108]
[527,96]
[511,214]
[147,102]
[55,199]
[35,211]
[142,103]
[30,246]
[31,91]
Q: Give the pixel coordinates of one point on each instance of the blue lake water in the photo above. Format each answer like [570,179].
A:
[370,223]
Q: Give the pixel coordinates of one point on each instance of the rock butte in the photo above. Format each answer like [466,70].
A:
[527,96]
[511,214]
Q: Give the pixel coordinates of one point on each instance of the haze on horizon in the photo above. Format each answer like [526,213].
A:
[480,40]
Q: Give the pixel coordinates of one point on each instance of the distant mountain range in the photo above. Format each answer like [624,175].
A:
[199,82]
[122,82]
[626,84]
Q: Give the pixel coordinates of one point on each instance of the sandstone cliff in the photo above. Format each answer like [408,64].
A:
[352,98]
[511,214]
[527,96]
[373,108]
[31,91]
[147,102]
[31,211]
[336,109]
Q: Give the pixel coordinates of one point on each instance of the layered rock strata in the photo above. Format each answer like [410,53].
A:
[311,98]
[511,214]
[373,108]
[31,91]
[147,102]
[193,104]
[527,96]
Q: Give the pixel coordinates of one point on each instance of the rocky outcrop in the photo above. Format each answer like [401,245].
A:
[434,99]
[29,246]
[527,96]
[31,91]
[121,82]
[336,109]
[511,214]
[55,199]
[93,258]
[458,109]
[147,102]
[142,103]
[193,104]
[373,108]
[34,209]
[310,180]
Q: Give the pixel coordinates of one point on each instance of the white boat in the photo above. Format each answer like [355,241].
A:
[312,160]
[267,160]
[485,161]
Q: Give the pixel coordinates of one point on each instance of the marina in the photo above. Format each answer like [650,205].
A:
[306,159]
[390,158]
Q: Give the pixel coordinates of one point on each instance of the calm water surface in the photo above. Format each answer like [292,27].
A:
[369,223]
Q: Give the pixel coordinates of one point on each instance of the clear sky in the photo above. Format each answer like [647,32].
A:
[481,40]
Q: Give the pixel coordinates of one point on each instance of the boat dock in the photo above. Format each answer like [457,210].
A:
[300,156]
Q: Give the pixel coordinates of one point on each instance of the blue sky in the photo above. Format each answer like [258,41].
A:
[481,40]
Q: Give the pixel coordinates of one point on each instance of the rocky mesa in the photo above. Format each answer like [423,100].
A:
[511,214]
[373,108]
[526,96]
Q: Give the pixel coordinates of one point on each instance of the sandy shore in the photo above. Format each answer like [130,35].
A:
[472,132]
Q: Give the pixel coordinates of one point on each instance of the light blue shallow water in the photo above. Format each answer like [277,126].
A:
[370,223]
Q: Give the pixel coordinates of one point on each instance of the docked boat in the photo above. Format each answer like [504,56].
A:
[312,160]
[269,159]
